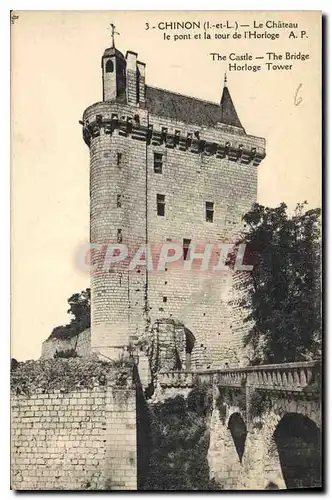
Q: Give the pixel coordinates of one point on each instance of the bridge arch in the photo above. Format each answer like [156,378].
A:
[294,452]
[238,429]
[307,407]
[234,409]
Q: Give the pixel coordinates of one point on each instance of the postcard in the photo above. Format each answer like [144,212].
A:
[166,250]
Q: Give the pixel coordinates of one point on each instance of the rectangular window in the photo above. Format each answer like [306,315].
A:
[118,158]
[161,204]
[186,249]
[158,163]
[209,211]
[119,236]
[118,200]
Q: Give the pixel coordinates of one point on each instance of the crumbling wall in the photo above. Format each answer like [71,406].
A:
[167,346]
[80,343]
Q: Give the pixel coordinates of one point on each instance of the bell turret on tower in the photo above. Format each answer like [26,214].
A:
[113,66]
[123,77]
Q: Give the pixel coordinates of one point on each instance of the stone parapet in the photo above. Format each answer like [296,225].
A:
[282,377]
[105,118]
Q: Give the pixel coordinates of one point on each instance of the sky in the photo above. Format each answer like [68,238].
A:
[56,74]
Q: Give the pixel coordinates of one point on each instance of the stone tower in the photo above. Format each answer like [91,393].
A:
[164,167]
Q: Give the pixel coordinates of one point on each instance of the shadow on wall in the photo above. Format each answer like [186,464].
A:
[143,436]
[238,430]
[190,343]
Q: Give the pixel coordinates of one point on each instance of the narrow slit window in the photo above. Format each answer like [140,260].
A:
[209,211]
[186,249]
[158,163]
[118,158]
[119,236]
[118,200]
[161,205]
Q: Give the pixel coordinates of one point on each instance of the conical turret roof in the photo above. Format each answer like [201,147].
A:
[228,112]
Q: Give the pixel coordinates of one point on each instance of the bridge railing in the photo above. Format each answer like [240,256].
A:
[285,377]
[177,378]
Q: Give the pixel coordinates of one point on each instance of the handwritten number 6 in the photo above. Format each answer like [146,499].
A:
[298,99]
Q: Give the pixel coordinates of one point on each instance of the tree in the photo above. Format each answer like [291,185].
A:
[69,353]
[79,309]
[282,294]
[13,364]
[80,304]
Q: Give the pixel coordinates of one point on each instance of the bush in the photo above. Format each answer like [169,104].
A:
[68,374]
[69,353]
[13,364]
[260,403]
[179,443]
[58,374]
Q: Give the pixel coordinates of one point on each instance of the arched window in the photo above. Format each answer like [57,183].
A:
[109,66]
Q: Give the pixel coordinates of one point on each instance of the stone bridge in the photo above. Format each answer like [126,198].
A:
[265,423]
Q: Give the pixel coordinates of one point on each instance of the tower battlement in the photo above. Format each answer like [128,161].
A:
[209,141]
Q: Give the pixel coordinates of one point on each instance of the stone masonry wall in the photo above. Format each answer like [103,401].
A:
[121,448]
[118,214]
[198,299]
[125,302]
[80,343]
[76,441]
